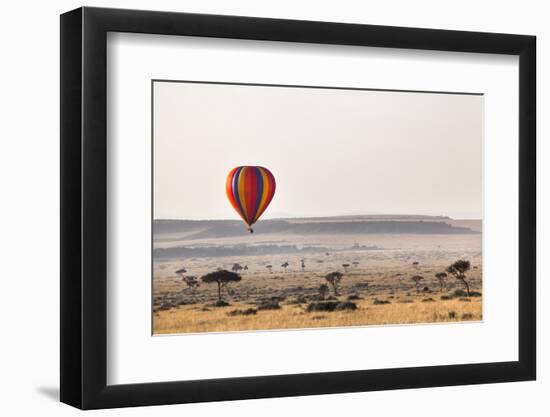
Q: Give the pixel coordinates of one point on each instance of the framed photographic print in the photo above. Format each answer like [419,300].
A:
[273,190]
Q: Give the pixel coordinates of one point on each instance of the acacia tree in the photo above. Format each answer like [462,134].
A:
[323,290]
[303,264]
[417,279]
[222,278]
[285,265]
[334,278]
[181,271]
[236,268]
[345,266]
[269,268]
[458,269]
[441,278]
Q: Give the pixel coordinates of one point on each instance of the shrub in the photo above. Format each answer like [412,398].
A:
[452,314]
[166,306]
[300,299]
[354,297]
[346,305]
[324,306]
[475,294]
[467,316]
[459,293]
[379,302]
[446,297]
[247,312]
[465,299]
[331,306]
[428,300]
[269,305]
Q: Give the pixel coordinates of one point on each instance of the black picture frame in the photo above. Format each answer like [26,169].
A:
[84,207]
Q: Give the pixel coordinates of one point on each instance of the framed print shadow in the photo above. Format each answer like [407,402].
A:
[271,191]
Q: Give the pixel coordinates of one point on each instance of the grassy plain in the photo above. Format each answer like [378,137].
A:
[377,281]
[193,319]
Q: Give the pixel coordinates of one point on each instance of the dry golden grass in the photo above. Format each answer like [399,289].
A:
[191,319]
[384,274]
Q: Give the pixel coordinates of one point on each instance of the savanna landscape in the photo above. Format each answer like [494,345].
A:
[213,276]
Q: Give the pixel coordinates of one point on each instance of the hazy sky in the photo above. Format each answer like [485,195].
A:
[332,152]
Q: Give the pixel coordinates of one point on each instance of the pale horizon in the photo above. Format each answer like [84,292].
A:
[276,216]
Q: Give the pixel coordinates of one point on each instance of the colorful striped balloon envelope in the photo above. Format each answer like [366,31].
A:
[250,189]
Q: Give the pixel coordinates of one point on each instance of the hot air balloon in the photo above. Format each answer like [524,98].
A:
[250,190]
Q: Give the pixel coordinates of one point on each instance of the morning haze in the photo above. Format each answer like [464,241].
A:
[332,151]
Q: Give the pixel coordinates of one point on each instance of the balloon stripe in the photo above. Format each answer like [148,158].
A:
[241,193]
[235,187]
[229,189]
[250,196]
[252,193]
[259,192]
[231,192]
[270,191]
[265,192]
[250,190]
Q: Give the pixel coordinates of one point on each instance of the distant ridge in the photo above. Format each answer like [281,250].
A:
[369,224]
